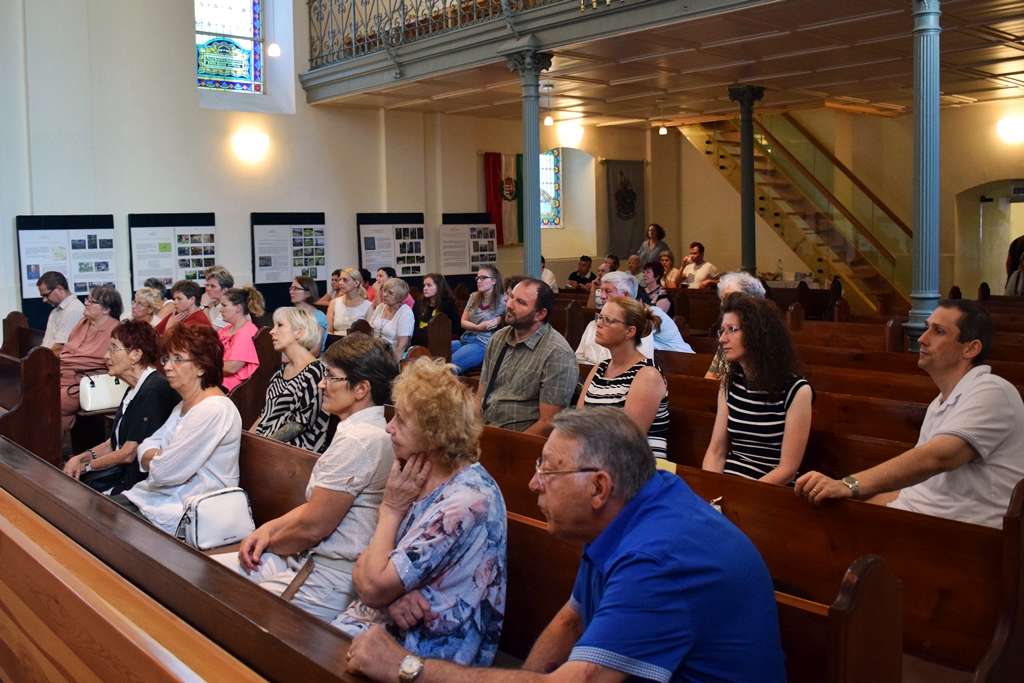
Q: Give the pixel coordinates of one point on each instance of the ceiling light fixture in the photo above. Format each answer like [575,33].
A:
[273,50]
[548,121]
[662,130]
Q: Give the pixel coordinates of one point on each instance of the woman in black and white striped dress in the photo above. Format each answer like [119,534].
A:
[629,379]
[764,406]
[293,411]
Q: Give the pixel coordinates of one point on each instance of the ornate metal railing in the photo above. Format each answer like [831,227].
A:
[340,30]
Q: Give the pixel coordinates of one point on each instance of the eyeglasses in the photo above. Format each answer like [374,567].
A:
[114,349]
[45,294]
[296,289]
[329,378]
[480,278]
[547,473]
[731,330]
[139,303]
[604,320]
[89,301]
[164,360]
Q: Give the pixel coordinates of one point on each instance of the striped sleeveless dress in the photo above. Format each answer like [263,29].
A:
[756,426]
[612,391]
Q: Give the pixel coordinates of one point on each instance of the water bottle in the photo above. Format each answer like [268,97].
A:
[778,271]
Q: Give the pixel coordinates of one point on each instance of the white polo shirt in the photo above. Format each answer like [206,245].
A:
[693,275]
[986,411]
[62,319]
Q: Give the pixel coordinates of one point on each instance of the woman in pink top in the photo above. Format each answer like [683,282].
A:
[240,359]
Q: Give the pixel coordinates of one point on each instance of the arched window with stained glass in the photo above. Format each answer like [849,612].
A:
[229,45]
[551,189]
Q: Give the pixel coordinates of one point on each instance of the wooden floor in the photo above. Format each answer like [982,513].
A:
[917,670]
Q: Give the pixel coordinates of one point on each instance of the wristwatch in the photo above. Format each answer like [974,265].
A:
[410,669]
[853,484]
[88,467]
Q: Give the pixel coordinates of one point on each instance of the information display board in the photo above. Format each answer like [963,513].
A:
[80,247]
[171,246]
[392,240]
[284,251]
[464,248]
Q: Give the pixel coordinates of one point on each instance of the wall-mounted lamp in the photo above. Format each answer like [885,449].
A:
[662,130]
[250,147]
[1011,130]
[569,134]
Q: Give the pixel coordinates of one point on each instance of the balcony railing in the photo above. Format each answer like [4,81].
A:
[345,29]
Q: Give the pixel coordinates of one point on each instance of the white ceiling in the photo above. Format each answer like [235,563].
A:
[849,54]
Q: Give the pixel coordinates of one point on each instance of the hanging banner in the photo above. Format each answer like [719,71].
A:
[627,225]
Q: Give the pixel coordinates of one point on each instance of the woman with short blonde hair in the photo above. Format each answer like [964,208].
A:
[146,305]
[392,321]
[441,535]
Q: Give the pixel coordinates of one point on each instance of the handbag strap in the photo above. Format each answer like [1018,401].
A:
[494,375]
[300,578]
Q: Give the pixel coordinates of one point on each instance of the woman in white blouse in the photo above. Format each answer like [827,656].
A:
[350,306]
[196,449]
[392,321]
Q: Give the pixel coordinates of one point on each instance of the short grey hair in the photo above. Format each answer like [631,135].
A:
[610,440]
[741,282]
[622,281]
[221,275]
[300,319]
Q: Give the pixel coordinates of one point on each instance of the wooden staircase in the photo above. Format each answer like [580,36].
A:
[829,240]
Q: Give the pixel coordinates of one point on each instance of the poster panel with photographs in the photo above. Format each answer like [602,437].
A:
[464,248]
[399,244]
[171,247]
[84,255]
[92,260]
[284,252]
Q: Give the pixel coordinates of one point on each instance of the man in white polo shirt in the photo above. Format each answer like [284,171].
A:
[67,309]
[698,273]
[970,453]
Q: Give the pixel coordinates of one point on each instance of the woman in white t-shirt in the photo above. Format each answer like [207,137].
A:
[351,306]
[392,321]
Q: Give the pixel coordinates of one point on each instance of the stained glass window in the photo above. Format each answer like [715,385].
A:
[551,189]
[229,45]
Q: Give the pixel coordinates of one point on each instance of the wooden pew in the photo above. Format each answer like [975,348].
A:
[274,639]
[906,363]
[250,396]
[19,338]
[439,337]
[30,393]
[577,317]
[700,307]
[865,336]
[1007,346]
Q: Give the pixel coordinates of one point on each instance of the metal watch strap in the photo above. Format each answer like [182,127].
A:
[854,485]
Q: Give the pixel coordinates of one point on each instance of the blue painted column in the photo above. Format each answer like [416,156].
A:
[924,294]
[746,95]
[529,64]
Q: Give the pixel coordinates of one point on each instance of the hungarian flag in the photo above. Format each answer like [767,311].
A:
[502,181]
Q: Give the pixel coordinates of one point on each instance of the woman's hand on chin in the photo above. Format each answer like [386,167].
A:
[406,482]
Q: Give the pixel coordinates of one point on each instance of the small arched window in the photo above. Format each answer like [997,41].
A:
[229,45]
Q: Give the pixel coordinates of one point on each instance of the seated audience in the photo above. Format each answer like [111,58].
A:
[697,273]
[671,276]
[335,291]
[508,284]
[613,262]
[240,358]
[293,411]
[629,379]
[383,275]
[582,278]
[740,283]
[666,335]
[146,306]
[1015,283]
[482,315]
[131,357]
[168,306]
[344,492]
[351,306]
[764,407]
[366,282]
[593,301]
[67,309]
[196,450]
[392,321]
[547,276]
[218,281]
[86,348]
[529,371]
[437,298]
[636,269]
[652,293]
[970,453]
[303,292]
[667,590]
[186,295]
[434,573]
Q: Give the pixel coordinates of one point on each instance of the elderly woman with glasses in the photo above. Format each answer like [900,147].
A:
[146,306]
[434,573]
[303,294]
[764,406]
[131,358]
[392,321]
[629,379]
[482,315]
[195,451]
[344,492]
[86,348]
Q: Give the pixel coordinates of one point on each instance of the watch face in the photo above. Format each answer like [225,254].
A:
[410,667]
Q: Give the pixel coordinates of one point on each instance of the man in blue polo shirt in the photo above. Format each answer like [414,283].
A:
[668,590]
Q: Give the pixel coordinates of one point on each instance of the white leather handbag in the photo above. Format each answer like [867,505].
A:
[101,392]
[216,519]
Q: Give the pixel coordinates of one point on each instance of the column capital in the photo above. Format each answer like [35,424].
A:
[529,62]
[925,7]
[746,95]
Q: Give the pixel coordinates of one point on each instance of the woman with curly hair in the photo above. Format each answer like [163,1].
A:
[764,406]
[434,573]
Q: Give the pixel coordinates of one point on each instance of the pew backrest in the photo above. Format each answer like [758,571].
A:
[19,338]
[30,393]
[864,336]
[251,394]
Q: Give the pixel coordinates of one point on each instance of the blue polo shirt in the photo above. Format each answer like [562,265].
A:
[672,591]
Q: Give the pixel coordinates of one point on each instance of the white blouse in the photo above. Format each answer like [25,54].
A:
[345,316]
[400,325]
